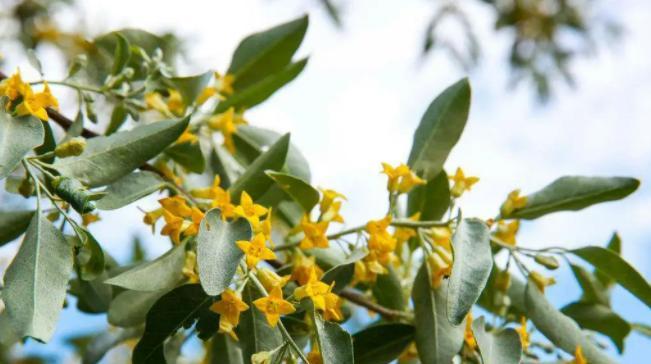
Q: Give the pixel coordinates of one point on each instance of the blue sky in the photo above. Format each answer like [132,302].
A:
[365,88]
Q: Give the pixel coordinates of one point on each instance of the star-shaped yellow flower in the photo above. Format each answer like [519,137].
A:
[13,87]
[524,334]
[250,211]
[270,279]
[255,250]
[506,231]
[303,267]
[401,178]
[36,103]
[221,199]
[229,308]
[541,281]
[442,236]
[227,123]
[176,205]
[314,233]
[513,202]
[314,289]
[461,183]
[273,306]
[332,311]
[173,226]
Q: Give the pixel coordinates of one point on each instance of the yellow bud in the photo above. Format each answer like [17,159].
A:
[71,148]
[547,261]
[503,281]
[541,281]
[270,279]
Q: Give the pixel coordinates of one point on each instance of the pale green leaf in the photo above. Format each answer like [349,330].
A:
[17,137]
[440,129]
[130,188]
[501,347]
[217,254]
[342,274]
[12,224]
[381,344]
[107,159]
[387,290]
[558,328]
[335,343]
[574,193]
[188,155]
[600,318]
[36,280]
[129,308]
[302,192]
[431,200]
[122,54]
[190,87]
[437,340]
[473,261]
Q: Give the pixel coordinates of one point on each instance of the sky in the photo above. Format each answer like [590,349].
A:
[365,88]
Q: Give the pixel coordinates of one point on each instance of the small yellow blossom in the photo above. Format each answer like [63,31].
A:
[314,234]
[468,336]
[87,219]
[265,228]
[367,269]
[315,290]
[221,199]
[461,183]
[196,217]
[187,137]
[13,87]
[506,231]
[270,279]
[524,334]
[330,206]
[224,83]
[229,308]
[273,306]
[173,106]
[440,267]
[206,94]
[541,281]
[513,202]
[442,236]
[380,241]
[176,205]
[303,267]
[37,103]
[401,178]
[190,267]
[314,356]
[227,123]
[175,103]
[579,358]
[151,217]
[154,101]
[167,172]
[255,250]
[332,311]
[173,226]
[250,211]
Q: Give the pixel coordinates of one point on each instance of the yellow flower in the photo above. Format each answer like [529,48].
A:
[442,236]
[314,356]
[175,103]
[332,311]
[87,219]
[541,281]
[176,205]
[578,356]
[332,214]
[329,206]
[314,289]
[513,202]
[173,226]
[403,234]
[190,267]
[273,306]
[506,231]
[303,267]
[167,172]
[151,217]
[270,279]
[440,263]
[314,233]
[206,94]
[469,337]
[154,101]
[401,178]
[250,211]
[380,241]
[461,183]
[193,228]
[36,104]
[224,83]
[13,87]
[265,228]
[227,123]
[221,199]
[255,250]
[524,334]
[229,308]
[187,137]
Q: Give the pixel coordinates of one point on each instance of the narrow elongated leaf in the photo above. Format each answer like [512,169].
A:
[122,54]
[107,159]
[593,290]
[600,318]
[388,290]
[615,245]
[254,180]
[161,273]
[190,87]
[440,129]
[12,224]
[48,143]
[254,331]
[473,261]
[263,89]
[129,308]
[17,137]
[130,188]
[437,340]
[502,347]
[575,193]
[335,343]
[613,265]
[431,200]
[342,274]
[381,344]
[118,117]
[36,280]
[266,52]
[179,308]
[302,192]
[217,254]
[558,328]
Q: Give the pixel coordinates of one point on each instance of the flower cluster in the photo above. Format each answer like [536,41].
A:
[25,100]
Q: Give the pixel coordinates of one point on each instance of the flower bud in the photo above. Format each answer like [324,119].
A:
[71,148]
[541,281]
[26,187]
[503,281]
[547,261]
[270,279]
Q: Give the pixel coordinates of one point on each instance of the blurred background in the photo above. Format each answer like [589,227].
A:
[560,88]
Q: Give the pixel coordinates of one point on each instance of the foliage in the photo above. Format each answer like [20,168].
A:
[259,267]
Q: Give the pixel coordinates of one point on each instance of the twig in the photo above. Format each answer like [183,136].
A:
[358,298]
